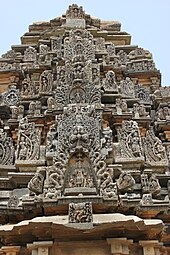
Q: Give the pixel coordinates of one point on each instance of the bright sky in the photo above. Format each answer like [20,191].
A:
[148,22]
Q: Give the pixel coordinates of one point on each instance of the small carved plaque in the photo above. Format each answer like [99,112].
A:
[80,213]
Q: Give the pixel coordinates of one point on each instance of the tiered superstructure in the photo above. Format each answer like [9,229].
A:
[85,141]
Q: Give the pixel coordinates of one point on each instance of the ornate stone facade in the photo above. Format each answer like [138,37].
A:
[84,139]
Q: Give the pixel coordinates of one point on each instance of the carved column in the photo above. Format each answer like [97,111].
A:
[10,250]
[40,248]
[119,246]
[151,247]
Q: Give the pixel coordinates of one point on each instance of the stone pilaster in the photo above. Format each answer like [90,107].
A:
[119,246]
[40,248]
[151,247]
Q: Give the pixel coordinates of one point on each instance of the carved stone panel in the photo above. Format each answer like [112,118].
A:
[109,83]
[79,42]
[29,138]
[46,82]
[7,150]
[129,139]
[80,213]
[127,88]
[11,97]
[155,152]
[142,93]
[30,54]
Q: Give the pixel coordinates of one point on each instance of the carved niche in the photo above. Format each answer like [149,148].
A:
[129,142]
[109,83]
[139,111]
[163,113]
[127,88]
[29,139]
[29,89]
[78,167]
[142,93]
[46,82]
[121,106]
[7,150]
[155,152]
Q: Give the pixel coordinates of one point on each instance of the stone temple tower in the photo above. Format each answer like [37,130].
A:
[84,142]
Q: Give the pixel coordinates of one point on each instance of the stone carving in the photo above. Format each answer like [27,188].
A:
[34,108]
[140,53]
[51,104]
[17,112]
[11,54]
[96,74]
[75,146]
[123,57]
[146,200]
[7,150]
[74,83]
[30,54]
[129,140]
[163,113]
[142,93]
[28,147]
[121,106]
[139,111]
[46,81]
[28,88]
[141,66]
[79,42]
[43,49]
[100,44]
[125,182]
[52,137]
[75,12]
[106,138]
[36,184]
[109,83]
[108,190]
[127,88]
[164,91]
[13,202]
[11,97]
[80,213]
[110,49]
[56,46]
[150,185]
[155,152]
